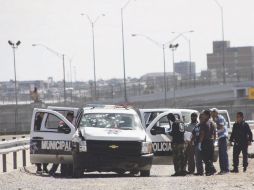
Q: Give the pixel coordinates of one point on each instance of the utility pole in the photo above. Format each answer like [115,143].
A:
[14,47]
[173,47]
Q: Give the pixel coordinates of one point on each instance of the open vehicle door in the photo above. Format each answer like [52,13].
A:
[161,142]
[77,112]
[51,135]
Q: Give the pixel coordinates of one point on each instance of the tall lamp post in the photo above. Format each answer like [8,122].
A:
[223,38]
[92,23]
[14,47]
[62,56]
[162,46]
[182,34]
[123,49]
[173,47]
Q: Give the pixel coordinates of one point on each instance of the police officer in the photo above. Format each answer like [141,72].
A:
[195,140]
[190,149]
[222,133]
[206,144]
[37,127]
[242,137]
[62,127]
[178,146]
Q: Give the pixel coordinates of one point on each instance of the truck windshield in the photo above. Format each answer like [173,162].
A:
[110,120]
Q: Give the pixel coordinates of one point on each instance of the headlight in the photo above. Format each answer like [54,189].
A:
[82,146]
[147,148]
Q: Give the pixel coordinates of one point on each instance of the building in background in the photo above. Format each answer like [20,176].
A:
[238,61]
[185,69]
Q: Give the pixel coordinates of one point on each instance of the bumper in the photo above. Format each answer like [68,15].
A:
[90,162]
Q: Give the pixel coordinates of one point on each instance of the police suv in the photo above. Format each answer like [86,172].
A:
[104,139]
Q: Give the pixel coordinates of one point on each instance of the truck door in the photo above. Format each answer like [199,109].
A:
[65,110]
[161,142]
[51,135]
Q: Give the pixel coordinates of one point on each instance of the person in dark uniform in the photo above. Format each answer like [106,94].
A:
[195,140]
[178,146]
[63,127]
[242,138]
[37,127]
[206,144]
[190,149]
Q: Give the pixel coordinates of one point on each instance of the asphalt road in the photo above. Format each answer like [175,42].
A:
[160,179]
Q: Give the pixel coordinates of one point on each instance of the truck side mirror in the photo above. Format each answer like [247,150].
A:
[157,130]
[64,129]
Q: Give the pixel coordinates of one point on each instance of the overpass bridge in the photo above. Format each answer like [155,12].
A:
[235,93]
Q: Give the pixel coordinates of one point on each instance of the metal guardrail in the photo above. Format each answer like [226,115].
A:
[13,143]
[14,150]
[13,146]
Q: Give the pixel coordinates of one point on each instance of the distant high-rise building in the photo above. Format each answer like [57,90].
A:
[238,61]
[185,69]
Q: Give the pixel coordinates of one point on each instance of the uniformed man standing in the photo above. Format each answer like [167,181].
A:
[190,149]
[37,127]
[63,127]
[195,140]
[242,138]
[206,144]
[178,146]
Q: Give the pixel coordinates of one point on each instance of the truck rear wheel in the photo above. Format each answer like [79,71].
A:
[145,173]
[134,172]
[77,173]
[120,172]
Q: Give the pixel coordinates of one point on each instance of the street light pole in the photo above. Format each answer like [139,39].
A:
[92,23]
[173,47]
[62,56]
[163,46]
[223,38]
[14,47]
[94,65]
[64,85]
[123,50]
[182,34]
[164,73]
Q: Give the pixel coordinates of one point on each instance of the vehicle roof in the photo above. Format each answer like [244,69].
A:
[188,110]
[110,110]
[167,109]
[223,111]
[61,108]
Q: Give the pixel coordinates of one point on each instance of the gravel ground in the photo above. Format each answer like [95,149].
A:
[160,179]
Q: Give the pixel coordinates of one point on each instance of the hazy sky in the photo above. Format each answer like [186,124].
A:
[58,24]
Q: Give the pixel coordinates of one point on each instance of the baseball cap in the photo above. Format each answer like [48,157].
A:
[214,110]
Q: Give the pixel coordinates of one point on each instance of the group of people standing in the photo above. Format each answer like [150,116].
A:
[208,129]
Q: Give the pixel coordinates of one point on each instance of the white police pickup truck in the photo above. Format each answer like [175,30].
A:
[97,139]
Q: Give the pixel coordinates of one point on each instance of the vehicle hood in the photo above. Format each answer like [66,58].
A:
[92,133]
